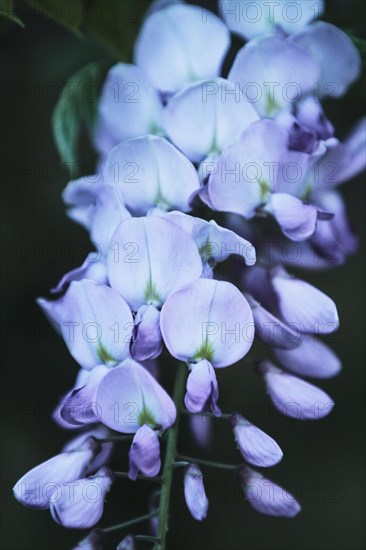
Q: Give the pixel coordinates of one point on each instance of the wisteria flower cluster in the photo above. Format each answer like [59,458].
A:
[195,167]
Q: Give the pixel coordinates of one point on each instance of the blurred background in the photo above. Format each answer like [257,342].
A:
[324,461]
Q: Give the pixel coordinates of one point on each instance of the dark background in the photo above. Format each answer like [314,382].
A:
[324,461]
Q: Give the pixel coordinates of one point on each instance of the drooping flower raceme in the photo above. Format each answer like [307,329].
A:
[196,170]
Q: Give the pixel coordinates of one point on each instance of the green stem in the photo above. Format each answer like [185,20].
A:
[223,416]
[171,447]
[208,463]
[129,523]
[146,538]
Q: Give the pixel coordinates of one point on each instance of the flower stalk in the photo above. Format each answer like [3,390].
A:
[209,463]
[170,455]
[129,523]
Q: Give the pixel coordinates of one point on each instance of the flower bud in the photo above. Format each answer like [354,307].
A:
[194,492]
[94,541]
[36,487]
[202,389]
[145,453]
[128,543]
[256,447]
[294,397]
[266,497]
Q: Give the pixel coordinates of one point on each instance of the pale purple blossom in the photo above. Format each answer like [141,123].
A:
[144,453]
[180,56]
[128,543]
[271,330]
[303,304]
[127,96]
[294,397]
[129,397]
[95,322]
[311,358]
[205,118]
[106,447]
[93,541]
[279,62]
[250,19]
[215,323]
[194,492]
[215,243]
[36,487]
[145,171]
[202,427]
[256,447]
[267,497]
[147,342]
[202,388]
[150,258]
[80,504]
[338,57]
[275,181]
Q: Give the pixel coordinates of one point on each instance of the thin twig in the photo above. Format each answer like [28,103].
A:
[126,524]
[208,463]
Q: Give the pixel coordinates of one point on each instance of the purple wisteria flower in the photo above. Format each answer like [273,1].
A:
[215,243]
[95,321]
[311,358]
[274,72]
[145,453]
[35,488]
[336,72]
[266,497]
[93,541]
[194,492]
[294,397]
[205,118]
[250,19]
[147,342]
[145,170]
[149,258]
[256,447]
[180,34]
[127,95]
[271,330]
[80,504]
[101,434]
[128,543]
[201,163]
[215,323]
[202,388]
[301,306]
[275,180]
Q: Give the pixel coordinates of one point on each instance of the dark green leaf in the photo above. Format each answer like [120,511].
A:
[115,23]
[70,13]
[7,11]
[76,110]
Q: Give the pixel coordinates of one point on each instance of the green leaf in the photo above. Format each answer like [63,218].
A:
[7,11]
[75,112]
[69,13]
[115,23]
